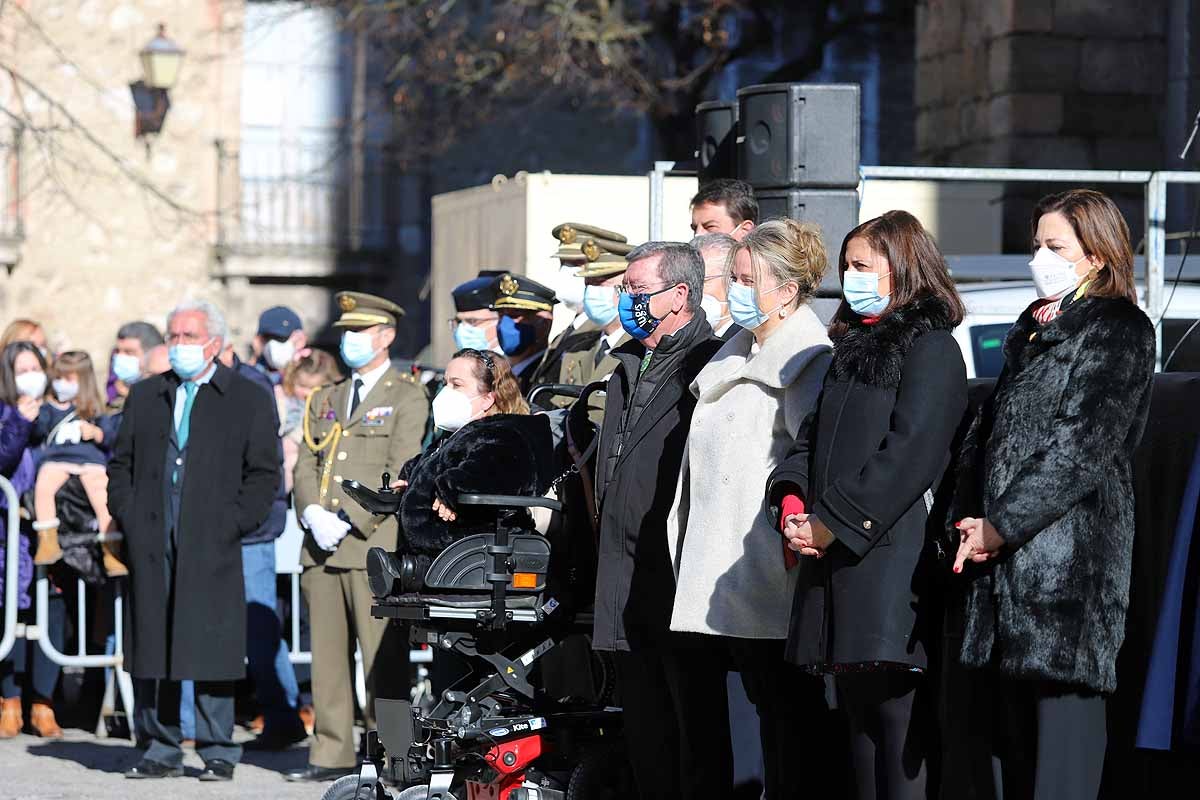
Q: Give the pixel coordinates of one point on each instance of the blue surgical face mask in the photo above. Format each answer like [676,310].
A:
[126,368]
[598,304]
[358,348]
[861,290]
[469,337]
[743,306]
[515,337]
[636,317]
[187,360]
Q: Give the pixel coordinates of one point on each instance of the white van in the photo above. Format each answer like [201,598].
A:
[992,308]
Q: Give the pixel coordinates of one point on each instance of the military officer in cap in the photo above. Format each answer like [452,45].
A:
[359,428]
[578,245]
[602,274]
[476,322]
[526,314]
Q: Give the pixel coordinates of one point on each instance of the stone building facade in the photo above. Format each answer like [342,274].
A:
[1043,83]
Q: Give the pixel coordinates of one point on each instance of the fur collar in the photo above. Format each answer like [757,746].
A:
[1027,338]
[874,354]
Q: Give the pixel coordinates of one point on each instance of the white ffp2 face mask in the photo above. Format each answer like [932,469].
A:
[568,288]
[451,409]
[31,384]
[712,311]
[65,390]
[1053,275]
[279,354]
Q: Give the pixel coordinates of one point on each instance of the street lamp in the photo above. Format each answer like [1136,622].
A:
[161,59]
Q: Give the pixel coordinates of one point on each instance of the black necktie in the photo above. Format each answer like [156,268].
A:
[601,352]
[355,399]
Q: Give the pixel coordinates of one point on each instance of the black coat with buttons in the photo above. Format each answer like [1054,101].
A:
[190,623]
[866,464]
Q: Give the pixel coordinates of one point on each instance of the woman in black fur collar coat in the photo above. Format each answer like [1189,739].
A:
[1045,500]
[489,444]
[878,446]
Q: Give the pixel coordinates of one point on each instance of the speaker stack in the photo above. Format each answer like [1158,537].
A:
[797,144]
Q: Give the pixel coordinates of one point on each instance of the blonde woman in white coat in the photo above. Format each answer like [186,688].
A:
[734,577]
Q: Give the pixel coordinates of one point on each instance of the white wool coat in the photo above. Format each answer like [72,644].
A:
[731,578]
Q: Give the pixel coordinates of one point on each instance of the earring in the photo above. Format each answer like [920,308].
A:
[783,313]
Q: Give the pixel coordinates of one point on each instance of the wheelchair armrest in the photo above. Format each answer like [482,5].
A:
[555,390]
[377,502]
[509,501]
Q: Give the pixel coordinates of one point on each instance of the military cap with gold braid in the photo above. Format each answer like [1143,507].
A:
[604,261]
[519,293]
[361,310]
[573,238]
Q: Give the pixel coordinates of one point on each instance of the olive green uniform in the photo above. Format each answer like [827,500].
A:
[384,431]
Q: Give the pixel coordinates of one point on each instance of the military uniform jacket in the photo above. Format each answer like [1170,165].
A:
[383,433]
[579,367]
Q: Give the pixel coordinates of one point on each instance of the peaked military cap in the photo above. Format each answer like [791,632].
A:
[519,293]
[362,310]
[573,238]
[478,293]
[604,261]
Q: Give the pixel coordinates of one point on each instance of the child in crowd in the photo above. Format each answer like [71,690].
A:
[77,437]
[301,378]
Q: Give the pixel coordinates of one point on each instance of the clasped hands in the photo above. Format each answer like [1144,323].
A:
[807,535]
[328,529]
[441,509]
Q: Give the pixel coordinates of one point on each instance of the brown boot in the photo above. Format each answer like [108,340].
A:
[41,717]
[48,551]
[11,719]
[113,567]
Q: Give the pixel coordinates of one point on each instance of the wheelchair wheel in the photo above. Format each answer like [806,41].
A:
[346,788]
[603,774]
[417,793]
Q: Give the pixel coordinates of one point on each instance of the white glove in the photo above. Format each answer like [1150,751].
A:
[68,433]
[328,529]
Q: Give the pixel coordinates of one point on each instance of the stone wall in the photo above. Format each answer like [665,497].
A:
[115,230]
[1041,83]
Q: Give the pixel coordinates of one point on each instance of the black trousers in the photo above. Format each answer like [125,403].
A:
[891,720]
[1047,740]
[794,721]
[677,717]
[158,719]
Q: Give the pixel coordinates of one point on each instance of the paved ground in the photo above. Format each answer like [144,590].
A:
[83,767]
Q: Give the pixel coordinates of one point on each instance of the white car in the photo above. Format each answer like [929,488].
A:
[992,308]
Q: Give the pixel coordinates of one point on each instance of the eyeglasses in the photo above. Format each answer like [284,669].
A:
[474,322]
[626,288]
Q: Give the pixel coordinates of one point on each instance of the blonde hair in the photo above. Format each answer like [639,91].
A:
[20,330]
[316,362]
[788,251]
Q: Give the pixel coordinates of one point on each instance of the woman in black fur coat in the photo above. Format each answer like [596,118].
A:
[1045,501]
[489,444]
[854,496]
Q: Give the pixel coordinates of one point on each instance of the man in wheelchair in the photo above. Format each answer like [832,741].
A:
[474,579]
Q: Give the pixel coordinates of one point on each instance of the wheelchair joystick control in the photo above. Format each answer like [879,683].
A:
[385,482]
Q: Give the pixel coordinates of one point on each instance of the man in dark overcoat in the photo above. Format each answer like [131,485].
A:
[672,685]
[195,468]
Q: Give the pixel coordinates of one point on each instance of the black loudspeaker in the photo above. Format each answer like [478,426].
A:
[716,140]
[835,211]
[799,135]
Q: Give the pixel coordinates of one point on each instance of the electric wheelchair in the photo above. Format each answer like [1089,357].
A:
[533,717]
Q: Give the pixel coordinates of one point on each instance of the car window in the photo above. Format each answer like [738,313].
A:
[1187,358]
[987,348]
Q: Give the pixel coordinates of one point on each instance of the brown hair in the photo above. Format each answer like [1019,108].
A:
[1103,235]
[787,250]
[493,374]
[315,362]
[89,403]
[919,269]
[20,330]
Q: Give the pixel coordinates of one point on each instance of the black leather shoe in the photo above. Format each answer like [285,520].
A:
[217,769]
[317,774]
[152,769]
